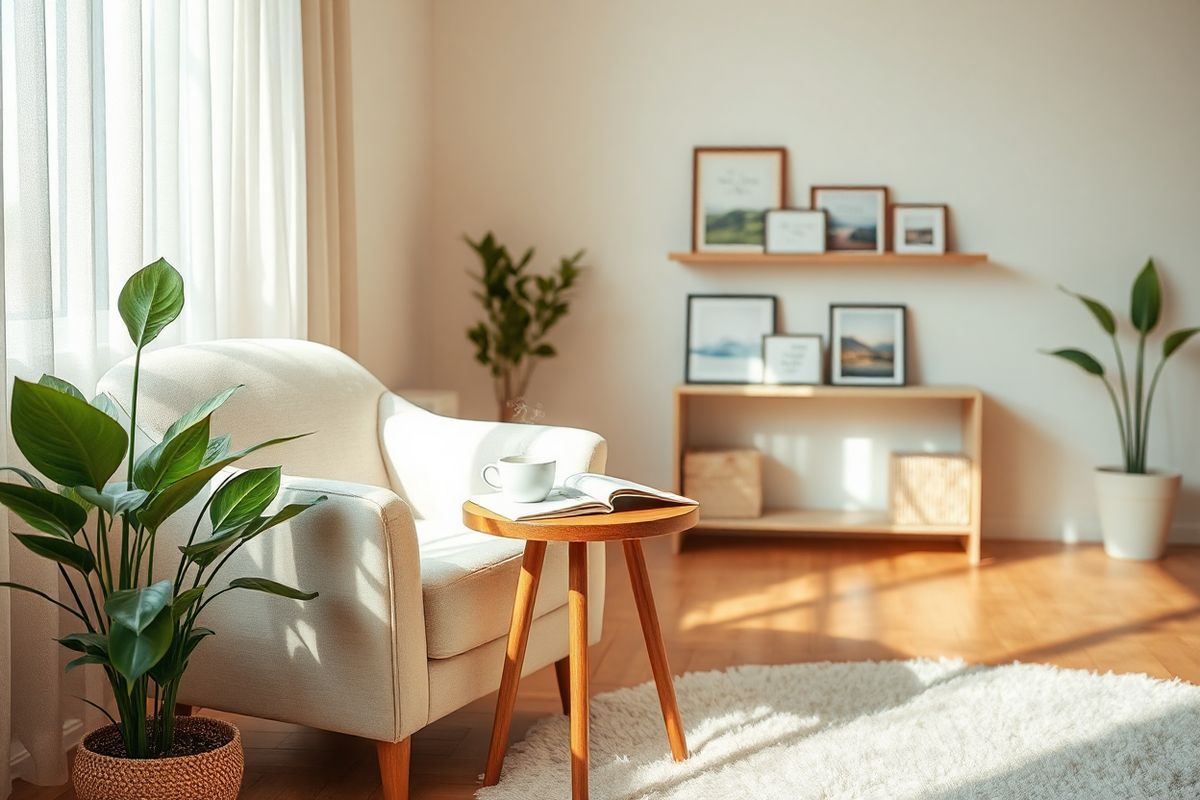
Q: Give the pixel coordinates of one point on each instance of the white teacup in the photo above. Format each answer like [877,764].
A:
[522,479]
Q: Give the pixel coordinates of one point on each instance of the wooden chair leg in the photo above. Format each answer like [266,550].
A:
[635,559]
[577,647]
[518,638]
[562,672]
[183,710]
[394,760]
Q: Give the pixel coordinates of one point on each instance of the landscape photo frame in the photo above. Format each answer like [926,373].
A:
[732,189]
[856,217]
[724,337]
[868,344]
[920,228]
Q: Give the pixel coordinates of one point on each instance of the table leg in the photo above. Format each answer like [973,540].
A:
[518,638]
[635,559]
[578,649]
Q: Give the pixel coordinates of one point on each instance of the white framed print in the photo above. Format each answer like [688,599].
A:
[792,359]
[724,337]
[794,231]
[856,217]
[867,345]
[919,228]
[732,189]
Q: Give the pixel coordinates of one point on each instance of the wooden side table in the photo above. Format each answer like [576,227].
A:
[627,527]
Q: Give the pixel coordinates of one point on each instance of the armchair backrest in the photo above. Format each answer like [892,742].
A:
[290,387]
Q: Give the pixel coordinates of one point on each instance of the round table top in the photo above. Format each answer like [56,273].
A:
[641,523]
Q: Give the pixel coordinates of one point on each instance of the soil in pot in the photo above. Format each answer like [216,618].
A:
[189,741]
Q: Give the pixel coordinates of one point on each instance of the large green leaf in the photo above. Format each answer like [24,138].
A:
[60,550]
[207,551]
[271,587]
[95,643]
[105,403]
[59,385]
[134,654]
[217,448]
[185,600]
[43,509]
[199,412]
[65,438]
[1176,340]
[90,658]
[1085,361]
[25,475]
[174,497]
[115,499]
[243,498]
[172,458]
[150,301]
[194,638]
[137,608]
[282,515]
[1146,300]
[1103,314]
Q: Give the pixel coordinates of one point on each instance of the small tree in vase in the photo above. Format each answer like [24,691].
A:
[521,308]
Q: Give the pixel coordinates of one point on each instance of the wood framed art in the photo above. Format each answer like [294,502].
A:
[794,230]
[792,359]
[920,228]
[724,337]
[732,189]
[867,344]
[856,217]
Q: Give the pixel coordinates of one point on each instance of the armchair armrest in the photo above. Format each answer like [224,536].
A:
[353,659]
[434,462]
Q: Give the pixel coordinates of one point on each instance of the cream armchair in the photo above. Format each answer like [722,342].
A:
[414,609]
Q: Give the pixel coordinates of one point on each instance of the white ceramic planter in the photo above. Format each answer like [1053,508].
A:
[1135,512]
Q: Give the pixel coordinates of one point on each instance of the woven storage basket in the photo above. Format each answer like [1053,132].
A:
[215,775]
[930,489]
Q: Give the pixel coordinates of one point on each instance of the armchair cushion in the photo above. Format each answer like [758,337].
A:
[467,580]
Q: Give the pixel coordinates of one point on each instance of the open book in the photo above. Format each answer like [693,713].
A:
[583,493]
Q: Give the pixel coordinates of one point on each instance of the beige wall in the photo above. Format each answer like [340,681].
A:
[392,99]
[1063,134]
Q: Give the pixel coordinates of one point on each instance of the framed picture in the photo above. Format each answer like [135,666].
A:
[919,228]
[724,337]
[732,188]
[856,216]
[867,345]
[795,230]
[792,358]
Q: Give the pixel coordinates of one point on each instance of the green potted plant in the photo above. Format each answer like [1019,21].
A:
[1136,503]
[140,627]
[520,309]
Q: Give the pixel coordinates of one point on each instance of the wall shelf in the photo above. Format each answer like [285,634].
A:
[813,259]
[967,405]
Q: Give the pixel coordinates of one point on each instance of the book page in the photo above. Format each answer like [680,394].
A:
[606,488]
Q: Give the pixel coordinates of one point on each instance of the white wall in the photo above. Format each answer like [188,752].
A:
[392,109]
[1064,135]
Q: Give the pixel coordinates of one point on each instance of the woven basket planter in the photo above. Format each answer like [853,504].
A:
[215,775]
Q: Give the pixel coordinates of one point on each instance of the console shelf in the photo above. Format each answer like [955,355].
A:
[784,520]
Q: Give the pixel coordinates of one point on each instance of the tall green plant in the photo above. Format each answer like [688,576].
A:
[1133,411]
[511,339]
[139,630]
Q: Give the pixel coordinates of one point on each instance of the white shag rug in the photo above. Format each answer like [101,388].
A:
[894,730]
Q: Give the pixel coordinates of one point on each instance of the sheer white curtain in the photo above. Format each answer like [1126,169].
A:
[133,129]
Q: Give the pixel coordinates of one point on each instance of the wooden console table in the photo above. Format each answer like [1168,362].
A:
[777,520]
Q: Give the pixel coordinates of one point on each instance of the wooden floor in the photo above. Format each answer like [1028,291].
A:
[731,601]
